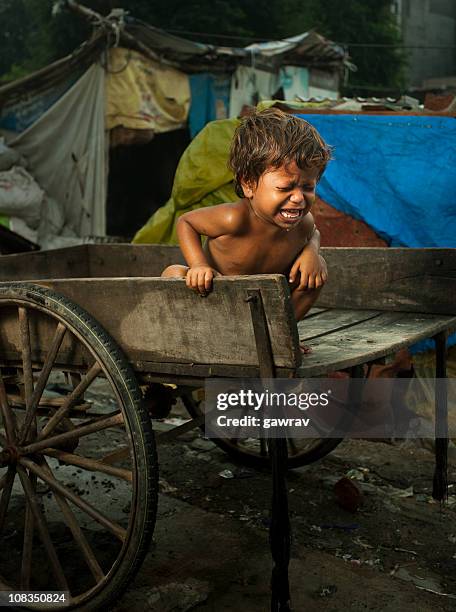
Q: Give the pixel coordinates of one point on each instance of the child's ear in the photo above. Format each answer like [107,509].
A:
[247,188]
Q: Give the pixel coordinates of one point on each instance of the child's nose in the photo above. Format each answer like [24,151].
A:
[297,196]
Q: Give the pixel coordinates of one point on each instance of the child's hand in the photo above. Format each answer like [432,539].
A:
[311,268]
[199,278]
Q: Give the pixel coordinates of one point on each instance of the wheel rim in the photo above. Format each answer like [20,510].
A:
[301,451]
[48,436]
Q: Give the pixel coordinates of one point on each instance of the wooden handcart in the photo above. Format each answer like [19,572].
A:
[87,333]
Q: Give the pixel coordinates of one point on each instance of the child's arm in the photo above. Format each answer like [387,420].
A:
[309,264]
[212,222]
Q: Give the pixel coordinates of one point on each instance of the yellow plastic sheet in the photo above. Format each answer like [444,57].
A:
[142,94]
[202,179]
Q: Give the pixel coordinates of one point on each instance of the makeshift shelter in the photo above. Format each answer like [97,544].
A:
[102,130]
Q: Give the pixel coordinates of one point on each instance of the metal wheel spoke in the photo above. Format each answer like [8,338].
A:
[78,535]
[77,432]
[6,495]
[70,400]
[27,548]
[43,378]
[57,486]
[89,464]
[7,415]
[42,529]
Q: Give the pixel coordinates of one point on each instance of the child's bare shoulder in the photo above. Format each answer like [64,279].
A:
[233,215]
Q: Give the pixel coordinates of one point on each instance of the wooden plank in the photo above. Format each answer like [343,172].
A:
[161,320]
[115,260]
[370,340]
[407,280]
[331,320]
[70,262]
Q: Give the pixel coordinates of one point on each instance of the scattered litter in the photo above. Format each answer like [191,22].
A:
[176,421]
[405,550]
[358,541]
[452,539]
[394,492]
[423,583]
[226,474]
[357,473]
[165,487]
[450,595]
[327,590]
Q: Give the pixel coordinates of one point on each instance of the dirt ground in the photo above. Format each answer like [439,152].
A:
[397,552]
[210,553]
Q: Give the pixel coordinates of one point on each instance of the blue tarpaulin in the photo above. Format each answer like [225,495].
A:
[396,173]
[210,95]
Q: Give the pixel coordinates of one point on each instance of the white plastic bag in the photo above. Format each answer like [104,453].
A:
[20,196]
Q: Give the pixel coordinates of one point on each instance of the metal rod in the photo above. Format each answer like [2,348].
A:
[70,400]
[42,380]
[42,529]
[78,432]
[55,485]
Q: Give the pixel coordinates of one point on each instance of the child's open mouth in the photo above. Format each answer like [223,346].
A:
[291,214]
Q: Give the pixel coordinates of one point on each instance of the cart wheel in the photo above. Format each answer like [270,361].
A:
[78,465]
[253,451]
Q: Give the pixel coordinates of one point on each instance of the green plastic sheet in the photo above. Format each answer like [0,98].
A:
[202,179]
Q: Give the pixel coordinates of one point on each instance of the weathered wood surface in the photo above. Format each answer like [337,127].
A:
[161,320]
[327,321]
[111,260]
[71,262]
[369,339]
[90,261]
[407,280]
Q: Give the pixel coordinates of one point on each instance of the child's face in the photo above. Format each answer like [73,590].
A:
[283,196]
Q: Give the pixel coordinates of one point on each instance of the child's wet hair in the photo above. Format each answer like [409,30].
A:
[270,139]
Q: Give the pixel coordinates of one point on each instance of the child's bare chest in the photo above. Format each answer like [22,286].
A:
[246,255]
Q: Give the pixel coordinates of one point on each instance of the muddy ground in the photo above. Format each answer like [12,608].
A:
[397,552]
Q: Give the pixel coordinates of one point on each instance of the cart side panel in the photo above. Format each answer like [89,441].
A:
[407,280]
[122,260]
[70,262]
[161,320]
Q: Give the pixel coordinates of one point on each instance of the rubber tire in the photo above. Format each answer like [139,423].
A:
[320,450]
[123,377]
